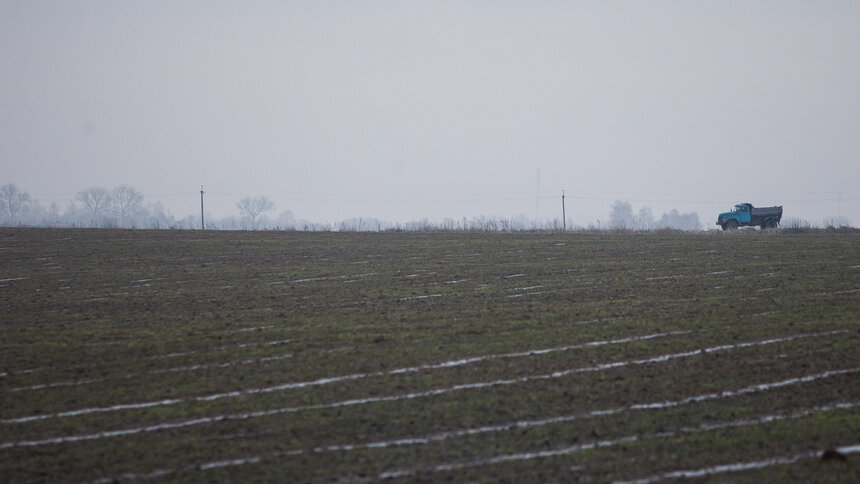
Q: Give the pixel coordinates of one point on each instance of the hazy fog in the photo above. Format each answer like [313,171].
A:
[402,110]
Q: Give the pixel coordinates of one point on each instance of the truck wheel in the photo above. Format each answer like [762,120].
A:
[770,224]
[732,225]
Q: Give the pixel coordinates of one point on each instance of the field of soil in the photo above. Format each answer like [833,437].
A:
[320,357]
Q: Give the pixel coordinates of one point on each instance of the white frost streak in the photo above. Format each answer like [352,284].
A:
[660,278]
[523,424]
[112,433]
[409,396]
[223,365]
[531,293]
[85,411]
[56,384]
[421,297]
[333,277]
[335,379]
[499,459]
[519,425]
[254,328]
[739,466]
[14,279]
[436,366]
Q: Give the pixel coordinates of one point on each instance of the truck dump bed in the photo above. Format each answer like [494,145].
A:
[767,212]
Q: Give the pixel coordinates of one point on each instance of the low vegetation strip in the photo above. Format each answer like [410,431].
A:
[237,356]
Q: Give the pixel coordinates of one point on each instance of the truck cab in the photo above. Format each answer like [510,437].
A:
[741,213]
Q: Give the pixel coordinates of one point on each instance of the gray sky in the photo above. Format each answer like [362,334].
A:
[402,110]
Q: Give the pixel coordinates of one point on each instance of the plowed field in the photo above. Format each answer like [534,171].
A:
[281,356]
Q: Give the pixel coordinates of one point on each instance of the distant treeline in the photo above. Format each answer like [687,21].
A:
[124,207]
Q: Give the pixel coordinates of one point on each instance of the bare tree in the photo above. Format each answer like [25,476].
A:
[125,200]
[96,199]
[621,216]
[13,201]
[645,220]
[254,206]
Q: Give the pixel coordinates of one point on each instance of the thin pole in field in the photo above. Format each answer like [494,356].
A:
[563,216]
[202,223]
[537,199]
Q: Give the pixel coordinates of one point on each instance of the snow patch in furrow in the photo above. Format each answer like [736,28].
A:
[532,293]
[358,376]
[739,466]
[56,384]
[13,279]
[226,364]
[333,277]
[397,442]
[111,433]
[421,297]
[410,276]
[249,345]
[596,320]
[132,475]
[153,372]
[180,369]
[450,364]
[659,278]
[254,328]
[511,276]
[508,458]
[719,272]
[85,411]
[31,370]
[767,313]
[528,288]
[499,459]
[414,395]
[458,281]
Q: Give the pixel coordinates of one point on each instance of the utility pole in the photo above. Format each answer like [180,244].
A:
[202,223]
[537,199]
[563,216]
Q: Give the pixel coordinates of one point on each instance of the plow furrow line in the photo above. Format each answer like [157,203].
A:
[740,466]
[434,366]
[164,356]
[524,424]
[504,458]
[357,376]
[508,427]
[176,369]
[408,396]
[328,278]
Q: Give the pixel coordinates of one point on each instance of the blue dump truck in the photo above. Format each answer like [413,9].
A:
[745,215]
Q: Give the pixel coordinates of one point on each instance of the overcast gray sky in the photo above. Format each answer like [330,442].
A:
[402,109]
